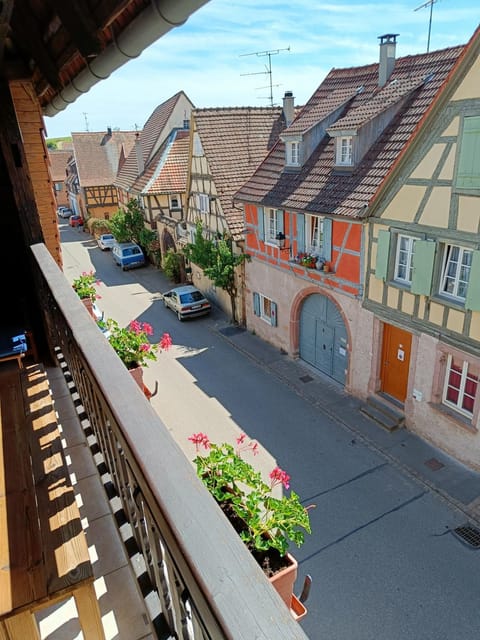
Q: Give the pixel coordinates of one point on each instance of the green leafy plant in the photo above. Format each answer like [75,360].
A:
[84,286]
[172,265]
[267,522]
[129,225]
[132,344]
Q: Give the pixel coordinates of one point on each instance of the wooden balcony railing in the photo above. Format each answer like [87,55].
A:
[207,584]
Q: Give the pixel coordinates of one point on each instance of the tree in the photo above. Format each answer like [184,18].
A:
[129,225]
[218,262]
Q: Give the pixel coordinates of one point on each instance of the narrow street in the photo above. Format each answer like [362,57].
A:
[382,556]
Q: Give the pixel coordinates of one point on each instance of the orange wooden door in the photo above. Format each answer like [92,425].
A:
[396,349]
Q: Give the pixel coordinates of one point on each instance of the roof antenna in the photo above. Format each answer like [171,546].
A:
[86,121]
[268,67]
[430,4]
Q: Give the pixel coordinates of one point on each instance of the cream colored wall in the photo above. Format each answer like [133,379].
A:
[405,203]
[282,288]
[431,423]
[469,88]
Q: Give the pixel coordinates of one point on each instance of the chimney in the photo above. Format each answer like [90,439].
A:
[139,155]
[388,44]
[109,131]
[288,107]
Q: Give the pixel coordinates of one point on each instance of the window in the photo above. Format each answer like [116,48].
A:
[461,385]
[345,150]
[265,308]
[314,234]
[174,202]
[457,263]
[272,225]
[404,258]
[293,153]
[468,170]
[202,202]
[58,186]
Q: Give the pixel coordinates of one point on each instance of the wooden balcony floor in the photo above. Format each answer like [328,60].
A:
[123,609]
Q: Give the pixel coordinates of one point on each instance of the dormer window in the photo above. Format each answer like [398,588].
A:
[344,151]
[293,153]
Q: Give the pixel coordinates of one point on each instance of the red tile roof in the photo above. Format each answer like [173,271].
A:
[317,187]
[58,164]
[235,140]
[167,172]
[154,133]
[98,156]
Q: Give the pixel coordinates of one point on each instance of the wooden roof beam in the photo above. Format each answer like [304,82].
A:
[80,25]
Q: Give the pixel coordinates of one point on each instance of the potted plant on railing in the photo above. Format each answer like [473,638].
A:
[133,347]
[265,523]
[84,287]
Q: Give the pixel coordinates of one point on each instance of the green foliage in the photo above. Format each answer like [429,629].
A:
[84,286]
[218,262]
[172,265]
[269,522]
[131,343]
[129,225]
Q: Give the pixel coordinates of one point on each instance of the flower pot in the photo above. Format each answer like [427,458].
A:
[284,580]
[88,302]
[137,375]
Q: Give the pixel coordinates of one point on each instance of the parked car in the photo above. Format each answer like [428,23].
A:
[64,212]
[106,241]
[128,255]
[186,301]
[75,221]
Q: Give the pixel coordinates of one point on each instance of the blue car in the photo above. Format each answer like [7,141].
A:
[128,255]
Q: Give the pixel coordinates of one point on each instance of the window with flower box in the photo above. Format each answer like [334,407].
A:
[460,386]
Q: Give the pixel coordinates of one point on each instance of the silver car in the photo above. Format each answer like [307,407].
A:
[187,301]
[105,241]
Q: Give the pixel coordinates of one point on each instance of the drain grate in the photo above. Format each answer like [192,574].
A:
[306,378]
[468,534]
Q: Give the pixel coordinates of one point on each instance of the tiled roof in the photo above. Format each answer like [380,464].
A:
[149,136]
[167,171]
[98,155]
[58,164]
[235,140]
[317,187]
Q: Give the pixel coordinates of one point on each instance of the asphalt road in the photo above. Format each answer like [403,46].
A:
[383,561]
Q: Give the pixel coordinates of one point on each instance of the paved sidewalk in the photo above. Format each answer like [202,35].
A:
[453,481]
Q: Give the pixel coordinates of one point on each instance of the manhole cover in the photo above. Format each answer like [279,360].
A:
[306,378]
[468,534]
[434,464]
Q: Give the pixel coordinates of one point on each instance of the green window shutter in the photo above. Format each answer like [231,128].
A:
[256,303]
[468,171]
[279,214]
[327,239]
[383,248]
[273,314]
[472,300]
[423,267]
[261,223]
[300,232]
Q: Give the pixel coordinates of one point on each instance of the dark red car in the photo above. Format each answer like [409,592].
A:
[75,221]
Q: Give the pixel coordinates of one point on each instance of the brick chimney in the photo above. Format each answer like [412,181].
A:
[139,155]
[388,44]
[288,107]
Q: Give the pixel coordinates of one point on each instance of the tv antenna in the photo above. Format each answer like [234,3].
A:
[430,4]
[86,121]
[268,67]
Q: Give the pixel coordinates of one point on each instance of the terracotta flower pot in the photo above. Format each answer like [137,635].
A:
[88,302]
[137,375]
[284,580]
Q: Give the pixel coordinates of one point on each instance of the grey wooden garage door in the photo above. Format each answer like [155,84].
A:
[323,337]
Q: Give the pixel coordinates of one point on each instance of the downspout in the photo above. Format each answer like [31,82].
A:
[155,21]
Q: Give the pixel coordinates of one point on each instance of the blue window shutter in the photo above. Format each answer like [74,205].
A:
[279,220]
[423,267]
[383,247]
[261,223]
[327,239]
[472,300]
[273,314]
[300,232]
[256,303]
[468,171]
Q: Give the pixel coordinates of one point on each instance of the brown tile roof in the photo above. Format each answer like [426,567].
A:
[235,140]
[153,130]
[98,156]
[167,171]
[317,187]
[58,164]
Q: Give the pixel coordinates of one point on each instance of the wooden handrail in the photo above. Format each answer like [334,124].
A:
[208,584]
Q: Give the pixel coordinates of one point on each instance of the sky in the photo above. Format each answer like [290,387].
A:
[219,56]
